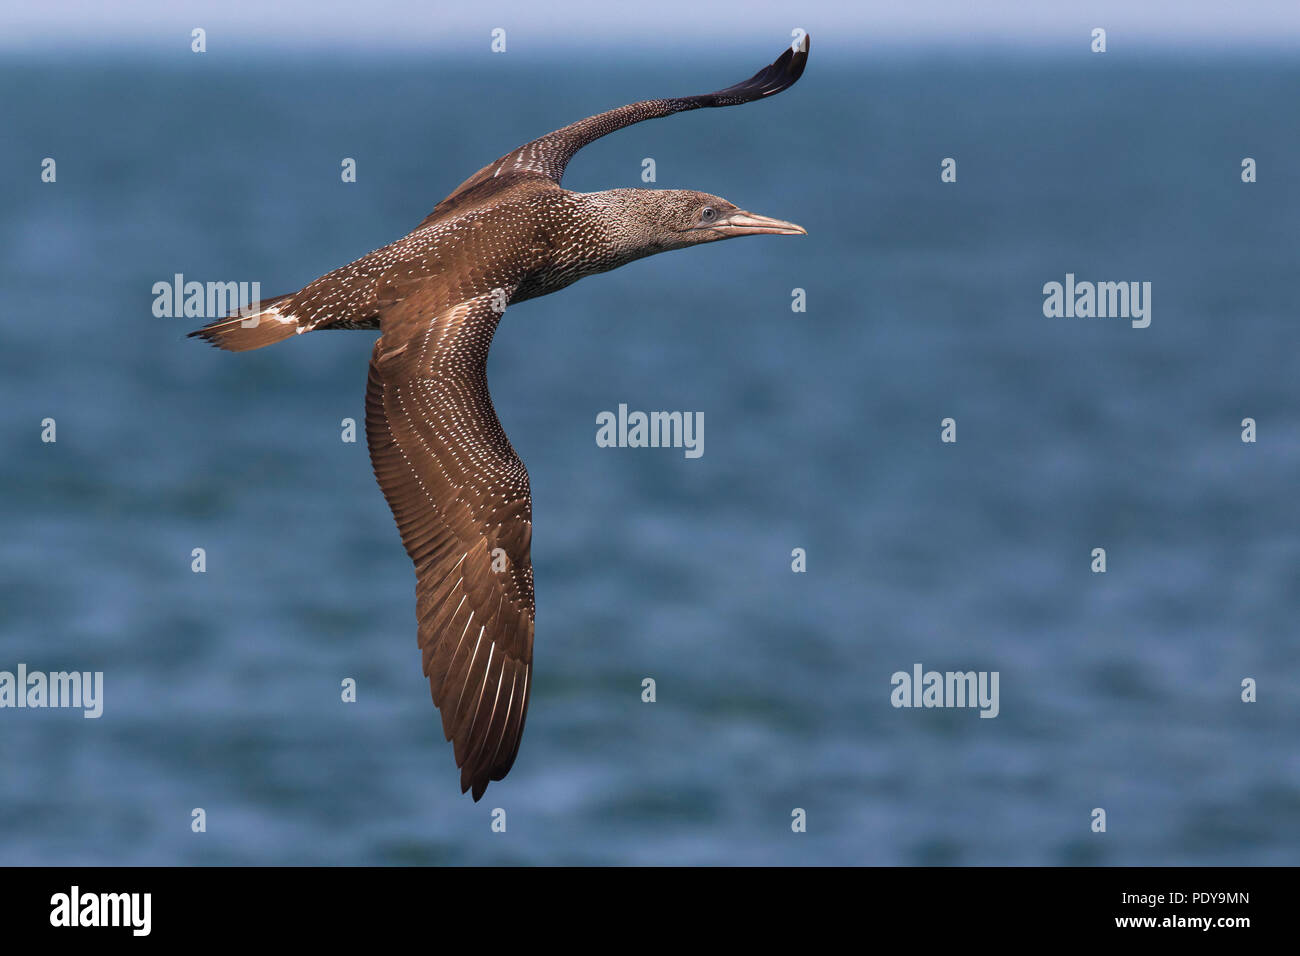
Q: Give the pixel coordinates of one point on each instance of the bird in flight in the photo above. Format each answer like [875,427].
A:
[458,491]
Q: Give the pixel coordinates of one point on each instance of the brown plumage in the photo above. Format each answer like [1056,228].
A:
[458,491]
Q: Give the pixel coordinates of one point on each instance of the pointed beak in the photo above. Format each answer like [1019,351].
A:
[741,223]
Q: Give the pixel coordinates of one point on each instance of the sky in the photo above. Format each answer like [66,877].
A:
[436,25]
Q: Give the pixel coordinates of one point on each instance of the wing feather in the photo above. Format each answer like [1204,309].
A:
[547,157]
[461,500]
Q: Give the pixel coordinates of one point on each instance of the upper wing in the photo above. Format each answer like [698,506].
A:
[547,157]
[460,496]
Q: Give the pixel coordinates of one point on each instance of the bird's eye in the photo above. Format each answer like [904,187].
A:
[708,214]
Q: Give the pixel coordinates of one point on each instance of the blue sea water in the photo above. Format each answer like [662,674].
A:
[1119,691]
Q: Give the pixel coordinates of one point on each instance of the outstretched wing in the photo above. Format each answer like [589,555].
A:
[547,157]
[460,496]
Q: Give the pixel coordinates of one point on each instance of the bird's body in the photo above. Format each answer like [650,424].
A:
[458,491]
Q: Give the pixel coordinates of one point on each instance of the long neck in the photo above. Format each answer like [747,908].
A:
[596,232]
[620,221]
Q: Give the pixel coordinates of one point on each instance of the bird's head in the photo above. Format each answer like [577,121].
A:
[646,221]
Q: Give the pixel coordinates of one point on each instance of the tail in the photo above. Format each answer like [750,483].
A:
[239,333]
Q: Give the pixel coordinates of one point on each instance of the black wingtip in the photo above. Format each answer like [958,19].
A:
[779,75]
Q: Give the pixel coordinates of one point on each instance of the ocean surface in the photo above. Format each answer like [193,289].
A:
[924,301]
